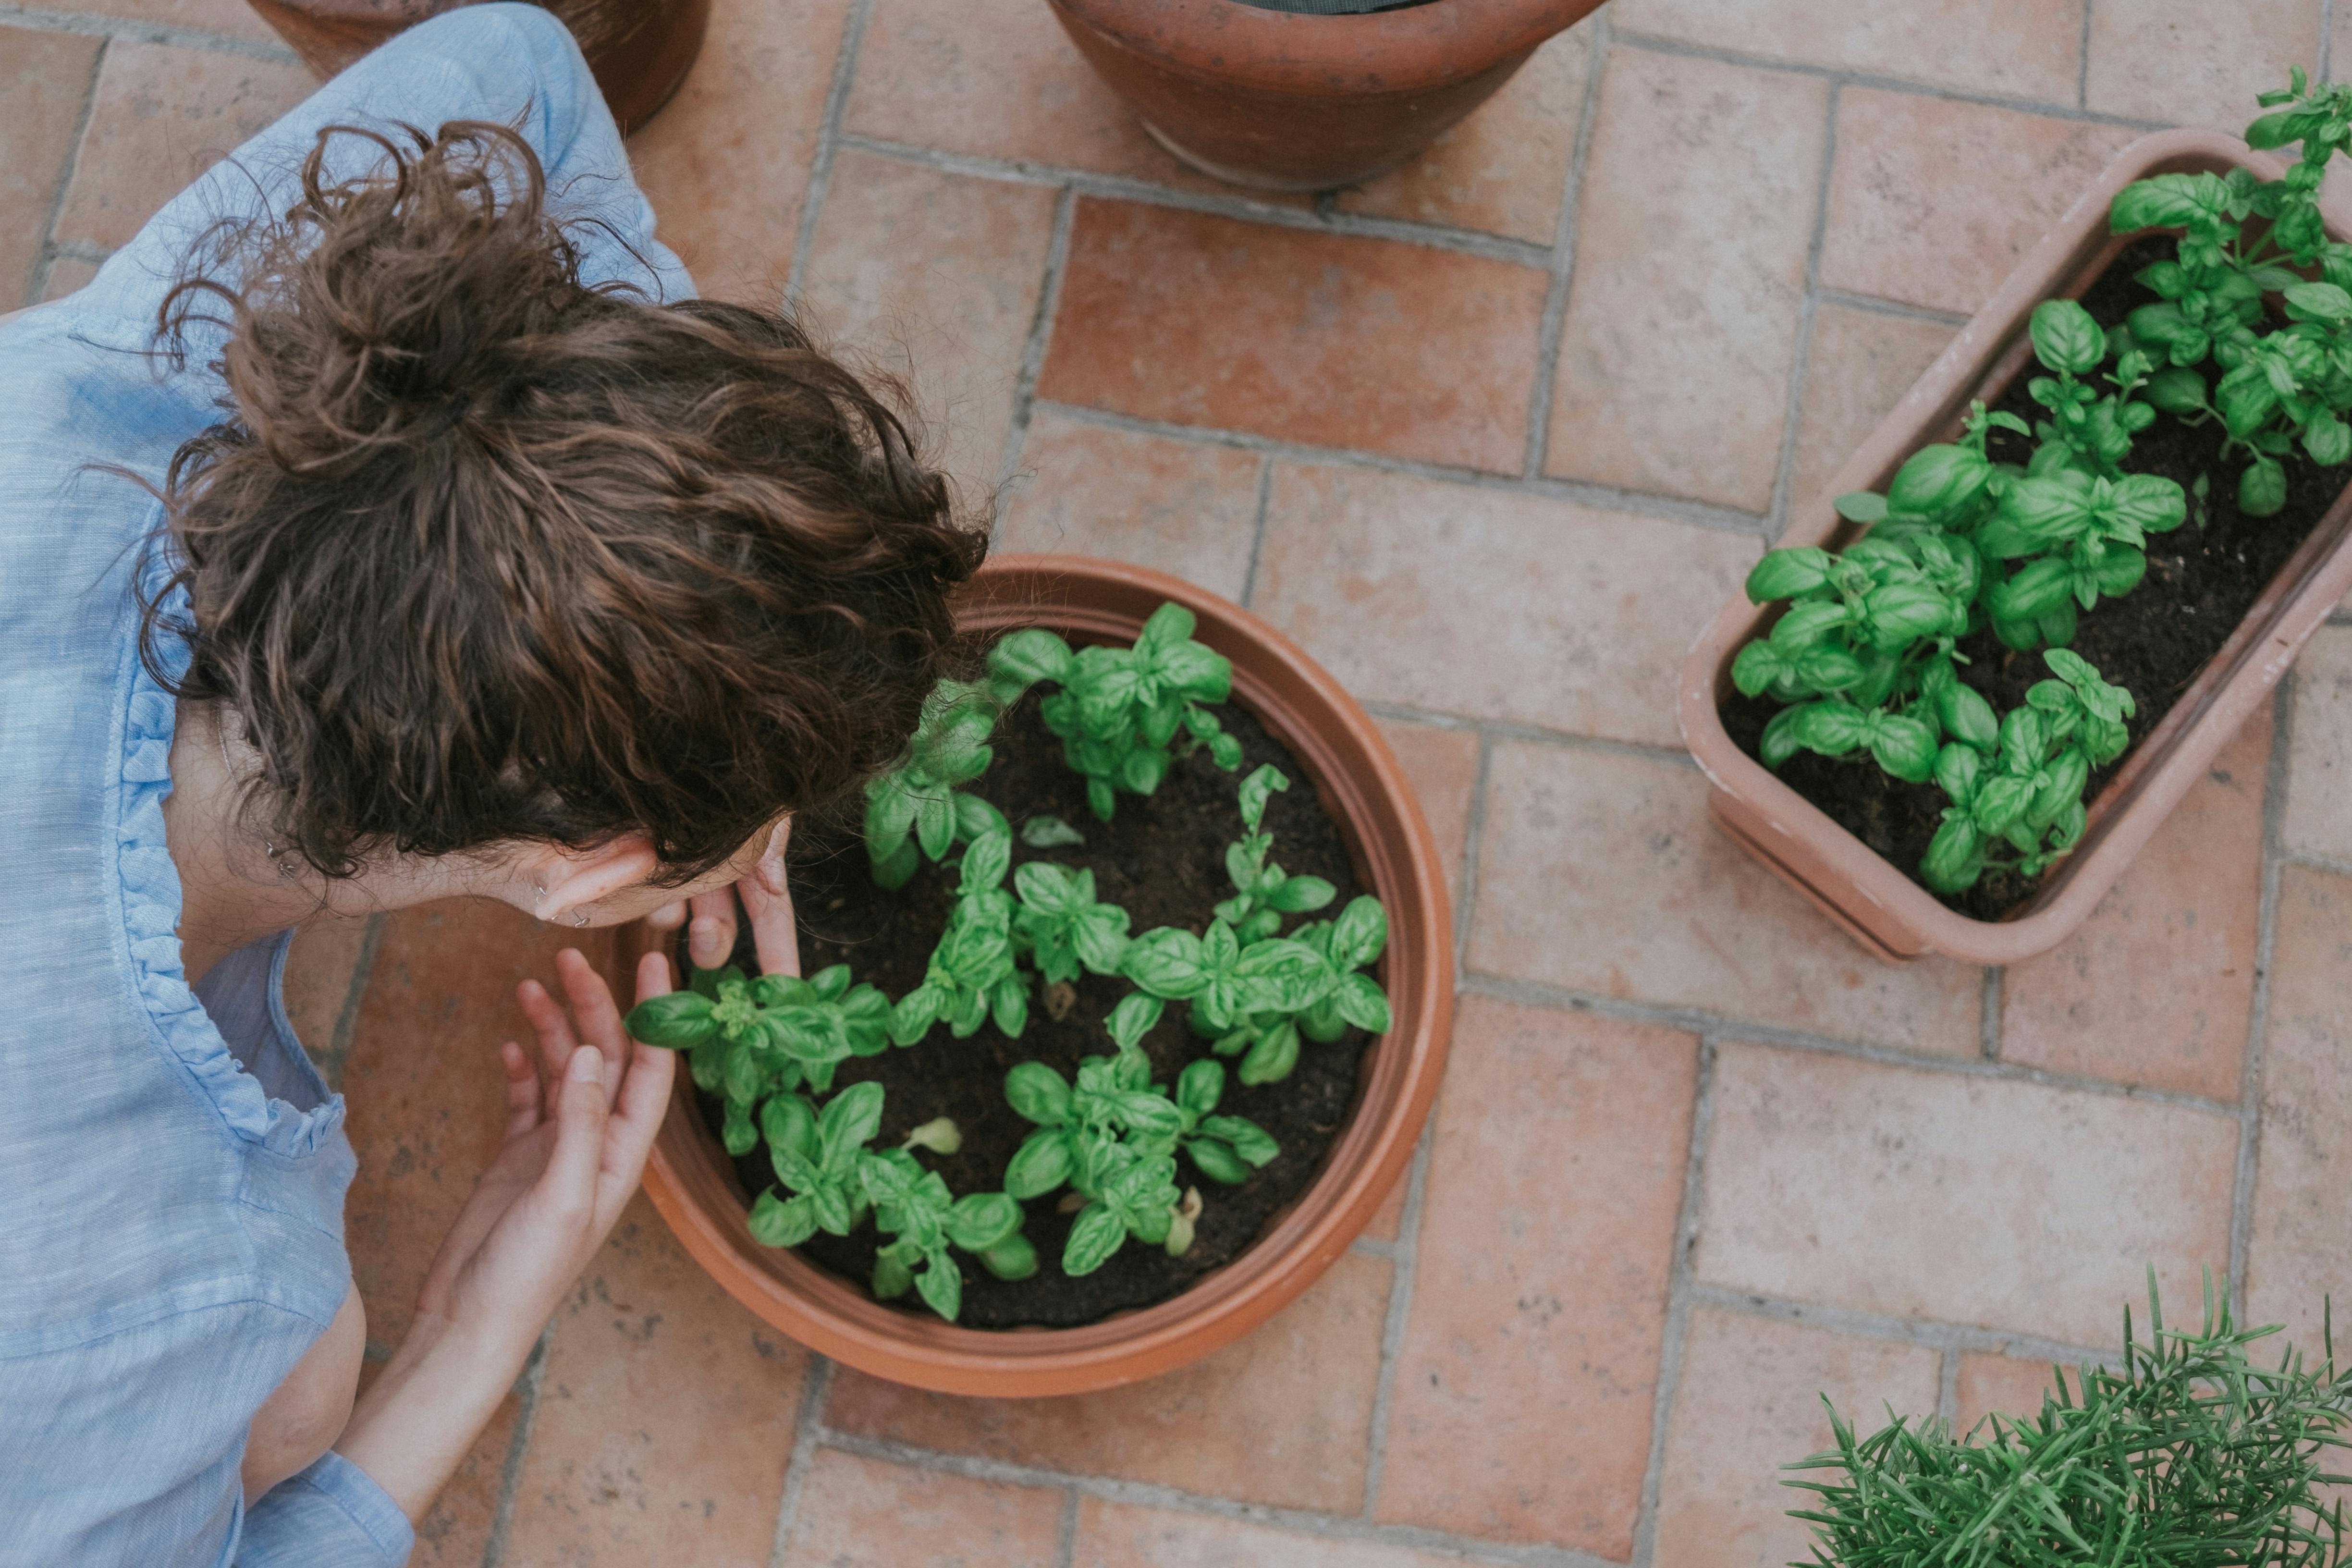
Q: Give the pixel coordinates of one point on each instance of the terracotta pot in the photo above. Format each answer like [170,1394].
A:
[1290,103]
[1876,901]
[639,49]
[694,1185]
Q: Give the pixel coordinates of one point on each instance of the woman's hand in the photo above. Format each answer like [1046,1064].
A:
[709,918]
[574,1150]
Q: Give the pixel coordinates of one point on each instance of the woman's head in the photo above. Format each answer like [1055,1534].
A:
[487,557]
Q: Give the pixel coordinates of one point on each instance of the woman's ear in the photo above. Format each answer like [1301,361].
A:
[566,884]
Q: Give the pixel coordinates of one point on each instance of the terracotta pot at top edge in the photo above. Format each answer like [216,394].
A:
[640,50]
[1280,100]
[1876,901]
[693,1183]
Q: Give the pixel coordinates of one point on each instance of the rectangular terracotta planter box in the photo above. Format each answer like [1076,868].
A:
[1875,901]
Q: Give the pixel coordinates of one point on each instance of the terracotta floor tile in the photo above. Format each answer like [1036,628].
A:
[664,1407]
[1504,169]
[163,116]
[856,1512]
[228,18]
[320,970]
[67,273]
[1861,365]
[427,1097]
[727,185]
[1696,213]
[44,79]
[2302,1246]
[934,278]
[1300,1388]
[2025,48]
[1185,507]
[2012,1385]
[2185,909]
[1496,605]
[2319,757]
[2165,60]
[456,1530]
[1529,1368]
[1599,872]
[1121,1535]
[1932,202]
[1332,341]
[998,78]
[1750,1400]
[1978,1201]
[1443,766]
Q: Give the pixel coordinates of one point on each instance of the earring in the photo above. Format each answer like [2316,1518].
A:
[540,888]
[580,917]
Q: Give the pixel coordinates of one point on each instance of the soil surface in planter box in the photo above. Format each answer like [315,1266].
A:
[1163,861]
[2202,578]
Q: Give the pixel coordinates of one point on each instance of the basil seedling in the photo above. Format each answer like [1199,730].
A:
[912,1205]
[1264,893]
[917,809]
[972,974]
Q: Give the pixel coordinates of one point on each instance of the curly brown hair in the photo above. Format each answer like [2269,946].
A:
[483,552]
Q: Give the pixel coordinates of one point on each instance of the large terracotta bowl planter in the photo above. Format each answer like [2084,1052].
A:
[1284,101]
[694,1185]
[640,50]
[1874,899]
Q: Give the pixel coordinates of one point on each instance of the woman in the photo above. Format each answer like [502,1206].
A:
[450,550]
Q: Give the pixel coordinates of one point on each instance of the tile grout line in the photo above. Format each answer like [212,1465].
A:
[1989,1018]
[44,257]
[1801,357]
[1930,1333]
[1578,492]
[828,141]
[1032,348]
[1674,1336]
[1066,1552]
[1554,317]
[2326,62]
[1405,1255]
[1473,838]
[2249,1081]
[527,1389]
[806,1435]
[1257,528]
[1144,193]
[2311,860]
[42,19]
[1846,299]
[347,1018]
[1699,1020]
[2082,61]
[1947,1388]
[1173,1500]
[1653,43]
[1535,735]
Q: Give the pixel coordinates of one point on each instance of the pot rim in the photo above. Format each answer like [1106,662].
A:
[1350,766]
[1872,898]
[1385,52]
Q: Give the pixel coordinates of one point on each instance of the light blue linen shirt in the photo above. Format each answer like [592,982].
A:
[170,1196]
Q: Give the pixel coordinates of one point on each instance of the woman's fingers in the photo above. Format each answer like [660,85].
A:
[568,1187]
[522,1089]
[549,1023]
[636,1121]
[667,917]
[773,931]
[710,933]
[594,1018]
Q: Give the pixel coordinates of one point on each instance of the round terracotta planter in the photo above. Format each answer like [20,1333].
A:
[640,50]
[1284,101]
[694,1185]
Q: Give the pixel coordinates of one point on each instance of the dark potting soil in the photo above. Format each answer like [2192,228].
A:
[2202,577]
[1163,861]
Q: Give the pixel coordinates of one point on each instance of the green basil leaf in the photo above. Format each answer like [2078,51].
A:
[735,1129]
[985,863]
[1030,654]
[2065,338]
[1965,715]
[849,1120]
[1955,858]
[1272,1057]
[1038,1093]
[1785,574]
[1098,932]
[917,1011]
[1250,1141]
[1905,747]
[1098,1234]
[1041,832]
[1141,770]
[1936,482]
[892,1279]
[1362,1003]
[1215,1159]
[983,1220]
[1199,1086]
[1290,975]
[1359,934]
[1043,1163]
[1015,1257]
[1757,666]
[677,1021]
[1008,1004]
[1167,962]
[1257,790]
[1861,506]
[889,813]
[775,1222]
[2262,488]
[1300,895]
[1133,1018]
[789,1123]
